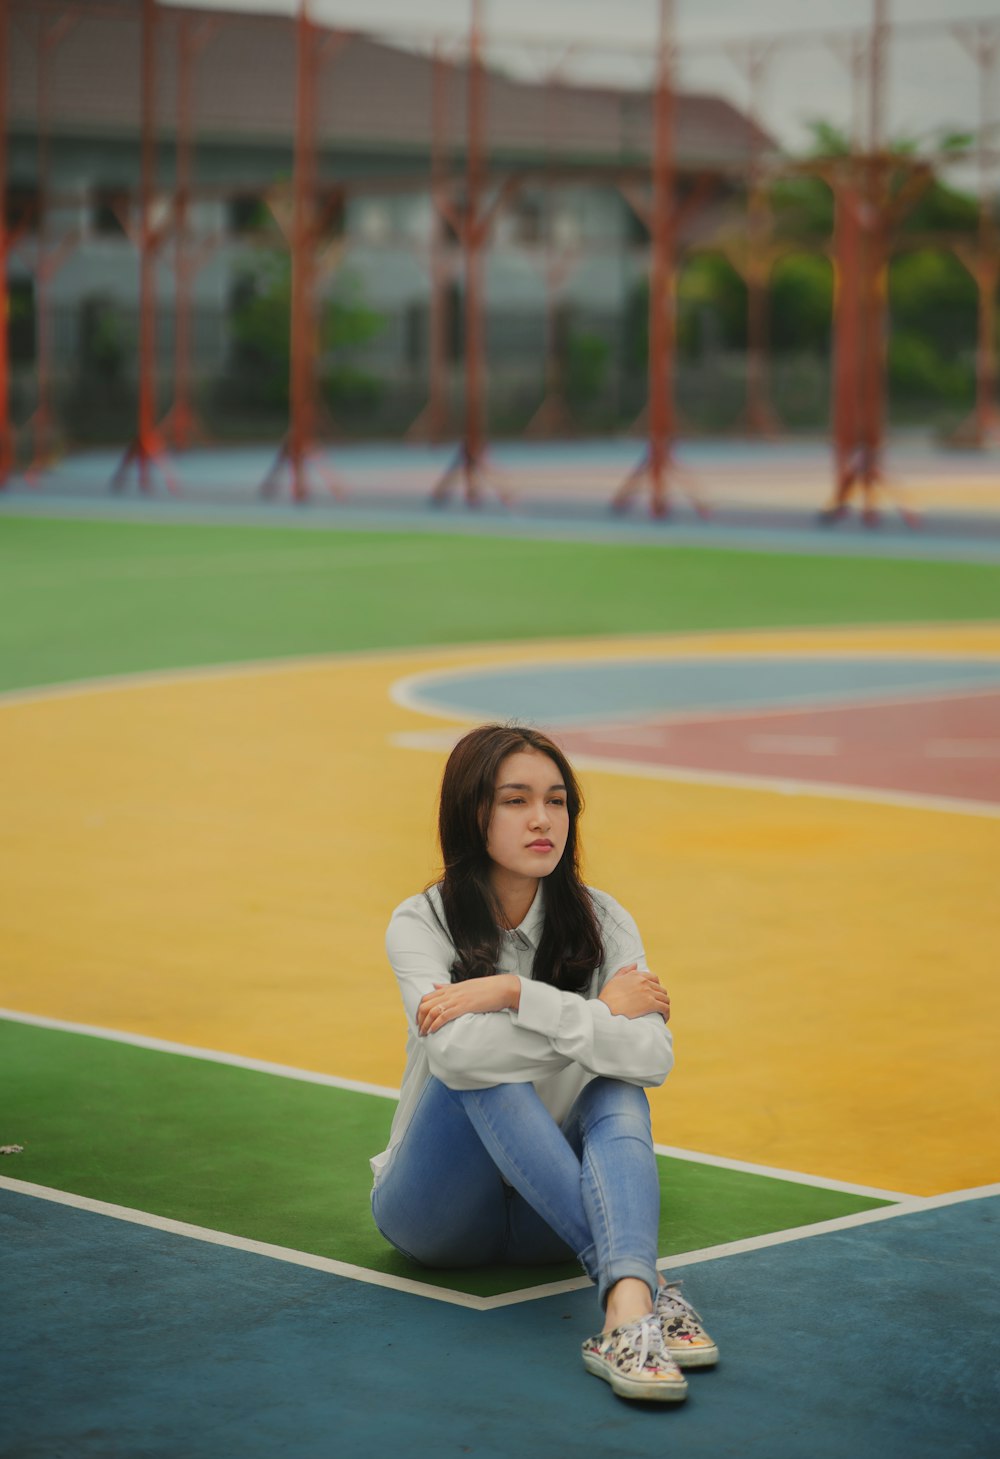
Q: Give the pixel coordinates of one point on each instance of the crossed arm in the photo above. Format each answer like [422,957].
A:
[538,1030]
[628,992]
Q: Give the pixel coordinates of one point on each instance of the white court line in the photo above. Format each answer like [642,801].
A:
[792,1177]
[773,784]
[653,638]
[307,1076]
[287,1071]
[903,1204]
[443,740]
[190,1051]
[240,1243]
[674,1261]
[409,692]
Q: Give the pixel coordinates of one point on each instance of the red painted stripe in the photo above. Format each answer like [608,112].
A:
[946,745]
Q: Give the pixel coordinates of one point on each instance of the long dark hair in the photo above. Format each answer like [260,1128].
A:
[570,947]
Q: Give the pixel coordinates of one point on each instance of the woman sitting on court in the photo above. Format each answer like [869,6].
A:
[523,1132]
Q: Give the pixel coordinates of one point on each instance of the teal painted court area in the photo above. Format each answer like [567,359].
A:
[857,1343]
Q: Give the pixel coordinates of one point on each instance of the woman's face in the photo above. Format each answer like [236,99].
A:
[530,820]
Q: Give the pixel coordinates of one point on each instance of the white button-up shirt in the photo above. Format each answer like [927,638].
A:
[557,1041]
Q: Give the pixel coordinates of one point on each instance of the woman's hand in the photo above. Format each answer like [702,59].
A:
[475,995]
[632,994]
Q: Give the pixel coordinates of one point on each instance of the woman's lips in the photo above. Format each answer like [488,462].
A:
[540,846]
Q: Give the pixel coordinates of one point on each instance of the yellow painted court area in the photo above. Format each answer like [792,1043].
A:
[211,858]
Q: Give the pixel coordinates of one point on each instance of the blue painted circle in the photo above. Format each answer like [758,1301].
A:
[564,693]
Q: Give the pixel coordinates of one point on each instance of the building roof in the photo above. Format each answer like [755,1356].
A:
[374,98]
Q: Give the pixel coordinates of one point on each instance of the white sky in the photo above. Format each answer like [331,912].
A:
[932,83]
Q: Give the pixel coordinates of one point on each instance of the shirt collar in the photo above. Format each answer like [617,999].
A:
[534,919]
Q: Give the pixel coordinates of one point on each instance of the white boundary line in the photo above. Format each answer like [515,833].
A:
[408,692]
[241,1243]
[374,1278]
[791,1177]
[774,785]
[902,1204]
[287,1071]
[190,1051]
[441,741]
[236,668]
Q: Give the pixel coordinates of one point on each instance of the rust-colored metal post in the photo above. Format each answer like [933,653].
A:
[473,235]
[6,425]
[303,326]
[474,225]
[432,422]
[873,271]
[661,282]
[441,274]
[657,463]
[874,267]
[48,260]
[146,449]
[298,450]
[860,304]
[846,317]
[981,39]
[760,417]
[192,36]
[553,415]
[148,445]
[41,420]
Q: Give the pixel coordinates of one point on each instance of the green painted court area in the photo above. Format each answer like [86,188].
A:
[282,1161]
[80,599]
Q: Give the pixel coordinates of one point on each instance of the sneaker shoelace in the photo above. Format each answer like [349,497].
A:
[670,1295]
[645,1338]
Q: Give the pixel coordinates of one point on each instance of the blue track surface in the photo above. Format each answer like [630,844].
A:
[880,1342]
[389,486]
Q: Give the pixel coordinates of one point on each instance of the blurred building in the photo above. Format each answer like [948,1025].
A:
[565,247]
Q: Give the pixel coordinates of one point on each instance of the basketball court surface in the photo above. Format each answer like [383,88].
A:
[221,750]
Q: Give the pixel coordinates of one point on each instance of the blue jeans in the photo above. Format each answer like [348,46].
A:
[486,1175]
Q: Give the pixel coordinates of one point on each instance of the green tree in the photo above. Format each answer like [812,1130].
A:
[801,303]
[260,326]
[711,306]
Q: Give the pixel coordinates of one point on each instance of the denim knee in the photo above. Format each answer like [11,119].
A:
[613,1097]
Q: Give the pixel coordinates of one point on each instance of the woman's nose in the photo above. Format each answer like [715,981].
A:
[540,816]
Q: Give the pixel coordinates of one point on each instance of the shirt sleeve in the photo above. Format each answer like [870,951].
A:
[635,1050]
[479,1049]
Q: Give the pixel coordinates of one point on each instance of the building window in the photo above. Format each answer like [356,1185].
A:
[247,213]
[528,220]
[109,212]
[636,233]
[415,335]
[331,213]
[454,323]
[21,209]
[21,321]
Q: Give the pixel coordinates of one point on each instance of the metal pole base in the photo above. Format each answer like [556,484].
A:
[148,455]
[479,480]
[662,477]
[297,467]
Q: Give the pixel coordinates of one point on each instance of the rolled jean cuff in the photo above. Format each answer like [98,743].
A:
[627,1267]
[588,1260]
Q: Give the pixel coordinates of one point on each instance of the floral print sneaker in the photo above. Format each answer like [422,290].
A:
[685,1339]
[634,1360]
